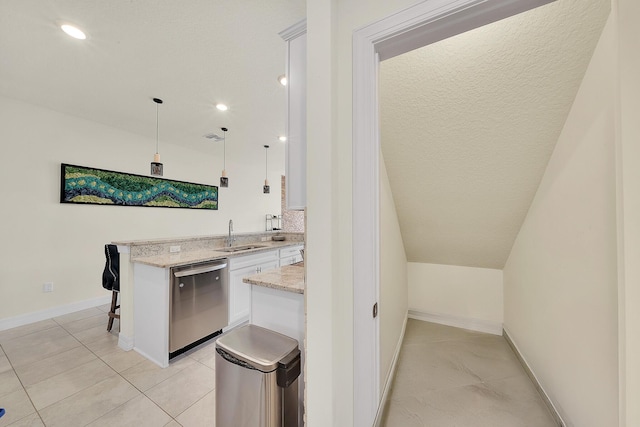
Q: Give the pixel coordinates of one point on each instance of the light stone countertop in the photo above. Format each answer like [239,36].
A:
[171,240]
[241,236]
[289,278]
[167,260]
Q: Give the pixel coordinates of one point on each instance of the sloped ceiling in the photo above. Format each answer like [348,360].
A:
[191,54]
[469,123]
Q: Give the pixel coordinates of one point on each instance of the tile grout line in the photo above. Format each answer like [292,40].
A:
[110,367]
[102,360]
[166,379]
[24,389]
[142,393]
[79,391]
[81,344]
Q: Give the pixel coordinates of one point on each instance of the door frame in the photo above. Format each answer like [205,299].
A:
[417,26]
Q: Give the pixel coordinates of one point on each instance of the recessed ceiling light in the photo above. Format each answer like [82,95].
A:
[74,32]
[282,138]
[283,80]
[222,107]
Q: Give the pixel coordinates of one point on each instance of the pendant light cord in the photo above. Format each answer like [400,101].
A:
[157,130]
[224,157]
[266,161]
[158,101]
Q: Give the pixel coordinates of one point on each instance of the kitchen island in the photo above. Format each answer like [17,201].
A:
[277,303]
[289,278]
[145,275]
[277,300]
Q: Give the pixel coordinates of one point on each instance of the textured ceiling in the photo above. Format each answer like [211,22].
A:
[469,123]
[191,54]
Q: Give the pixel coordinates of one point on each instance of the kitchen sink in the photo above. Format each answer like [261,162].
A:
[241,248]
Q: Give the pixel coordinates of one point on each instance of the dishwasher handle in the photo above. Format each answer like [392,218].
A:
[199,270]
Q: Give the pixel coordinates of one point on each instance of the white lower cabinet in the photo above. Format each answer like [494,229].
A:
[151,312]
[283,312]
[290,255]
[240,292]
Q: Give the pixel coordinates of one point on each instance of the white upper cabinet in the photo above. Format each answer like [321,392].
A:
[296,152]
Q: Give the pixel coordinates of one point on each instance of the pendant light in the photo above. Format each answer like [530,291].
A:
[224,180]
[265,188]
[156,166]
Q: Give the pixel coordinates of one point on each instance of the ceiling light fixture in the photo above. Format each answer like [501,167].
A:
[265,188]
[213,136]
[74,32]
[224,180]
[283,80]
[222,107]
[282,138]
[156,166]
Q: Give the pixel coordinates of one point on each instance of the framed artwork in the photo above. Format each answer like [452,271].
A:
[85,185]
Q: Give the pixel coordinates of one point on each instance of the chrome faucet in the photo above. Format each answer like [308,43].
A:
[231,237]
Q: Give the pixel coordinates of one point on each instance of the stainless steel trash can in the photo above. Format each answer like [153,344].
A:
[257,374]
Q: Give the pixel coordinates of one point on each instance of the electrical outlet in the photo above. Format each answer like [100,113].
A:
[47,287]
[174,249]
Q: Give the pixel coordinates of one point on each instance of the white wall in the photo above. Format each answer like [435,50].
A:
[468,297]
[627,15]
[561,306]
[330,26]
[329,274]
[44,240]
[393,278]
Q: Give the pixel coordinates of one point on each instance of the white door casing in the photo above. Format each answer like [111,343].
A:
[411,28]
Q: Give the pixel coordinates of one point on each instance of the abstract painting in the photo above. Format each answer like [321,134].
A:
[94,186]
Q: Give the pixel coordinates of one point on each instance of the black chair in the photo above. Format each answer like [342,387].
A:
[111,280]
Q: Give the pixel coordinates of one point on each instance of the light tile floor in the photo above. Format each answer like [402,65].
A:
[69,371]
[449,377]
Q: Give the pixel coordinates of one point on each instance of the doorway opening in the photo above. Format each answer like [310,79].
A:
[418,26]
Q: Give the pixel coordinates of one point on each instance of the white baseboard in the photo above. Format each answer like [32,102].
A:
[125,342]
[390,377]
[151,358]
[534,379]
[478,325]
[37,316]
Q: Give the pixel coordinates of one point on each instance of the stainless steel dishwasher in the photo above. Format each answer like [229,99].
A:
[198,304]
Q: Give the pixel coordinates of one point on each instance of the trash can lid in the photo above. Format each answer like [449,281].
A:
[261,348]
